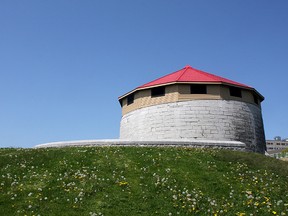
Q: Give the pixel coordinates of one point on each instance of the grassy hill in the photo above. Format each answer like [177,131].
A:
[141,181]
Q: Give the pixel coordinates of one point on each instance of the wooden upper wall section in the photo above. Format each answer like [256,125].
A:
[181,92]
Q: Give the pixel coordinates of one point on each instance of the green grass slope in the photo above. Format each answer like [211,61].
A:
[124,181]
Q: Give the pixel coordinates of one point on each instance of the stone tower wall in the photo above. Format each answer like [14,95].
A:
[198,119]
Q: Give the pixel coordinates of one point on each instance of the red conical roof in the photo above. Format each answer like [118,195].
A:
[190,75]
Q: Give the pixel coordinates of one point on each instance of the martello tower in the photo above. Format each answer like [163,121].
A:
[190,104]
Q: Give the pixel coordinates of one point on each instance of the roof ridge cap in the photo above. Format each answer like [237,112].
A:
[223,79]
[147,84]
[184,70]
[208,74]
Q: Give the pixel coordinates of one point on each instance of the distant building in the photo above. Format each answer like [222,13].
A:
[276,144]
[190,104]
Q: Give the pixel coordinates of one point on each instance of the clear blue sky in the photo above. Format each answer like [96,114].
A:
[63,63]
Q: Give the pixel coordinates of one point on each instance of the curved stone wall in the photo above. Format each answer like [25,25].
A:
[220,120]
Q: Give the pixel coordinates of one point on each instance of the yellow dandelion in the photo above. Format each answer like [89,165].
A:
[122,183]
